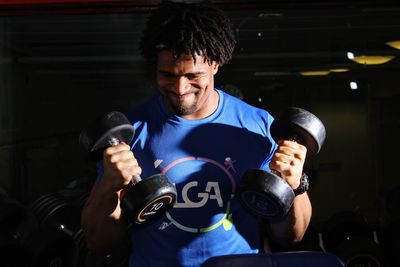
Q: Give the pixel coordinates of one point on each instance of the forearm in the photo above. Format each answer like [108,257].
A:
[102,220]
[290,229]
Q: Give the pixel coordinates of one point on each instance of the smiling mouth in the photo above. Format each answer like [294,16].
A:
[183,96]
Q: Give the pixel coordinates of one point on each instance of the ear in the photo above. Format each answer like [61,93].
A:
[214,67]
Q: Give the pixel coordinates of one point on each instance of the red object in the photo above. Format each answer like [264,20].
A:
[38,7]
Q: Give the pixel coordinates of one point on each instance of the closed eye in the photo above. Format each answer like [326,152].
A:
[189,76]
[193,76]
[167,74]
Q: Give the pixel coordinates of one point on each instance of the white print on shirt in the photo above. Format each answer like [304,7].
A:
[164,225]
[229,164]
[211,186]
[157,163]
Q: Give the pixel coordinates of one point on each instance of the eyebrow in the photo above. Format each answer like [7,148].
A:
[184,74]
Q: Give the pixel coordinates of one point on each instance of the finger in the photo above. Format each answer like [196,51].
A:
[290,173]
[283,157]
[121,156]
[123,171]
[293,149]
[280,166]
[290,147]
[130,172]
[117,148]
[291,144]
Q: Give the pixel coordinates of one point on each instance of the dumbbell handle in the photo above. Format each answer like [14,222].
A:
[293,138]
[115,141]
[65,230]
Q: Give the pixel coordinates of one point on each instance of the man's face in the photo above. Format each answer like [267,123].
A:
[187,85]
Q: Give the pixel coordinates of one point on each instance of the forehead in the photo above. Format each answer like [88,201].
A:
[167,59]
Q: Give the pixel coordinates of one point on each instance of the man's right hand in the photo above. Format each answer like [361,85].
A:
[119,166]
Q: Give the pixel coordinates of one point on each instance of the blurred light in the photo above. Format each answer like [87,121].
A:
[353,85]
[369,60]
[315,73]
[372,60]
[394,44]
[338,70]
[321,72]
[260,99]
[259,34]
[272,73]
[350,55]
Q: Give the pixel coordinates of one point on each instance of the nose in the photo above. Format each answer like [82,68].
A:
[182,85]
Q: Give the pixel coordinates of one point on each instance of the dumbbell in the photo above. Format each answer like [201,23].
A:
[143,199]
[265,193]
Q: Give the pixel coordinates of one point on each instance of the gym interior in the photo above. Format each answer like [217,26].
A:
[62,63]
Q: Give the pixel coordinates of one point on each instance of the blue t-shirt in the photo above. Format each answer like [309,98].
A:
[205,159]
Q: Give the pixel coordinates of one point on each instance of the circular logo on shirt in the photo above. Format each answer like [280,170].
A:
[205,189]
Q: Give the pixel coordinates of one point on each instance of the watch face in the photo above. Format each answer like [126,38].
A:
[304,185]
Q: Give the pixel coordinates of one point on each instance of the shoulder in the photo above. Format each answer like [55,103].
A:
[234,106]
[143,111]
[240,103]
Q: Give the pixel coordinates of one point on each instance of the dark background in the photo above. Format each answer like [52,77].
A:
[64,62]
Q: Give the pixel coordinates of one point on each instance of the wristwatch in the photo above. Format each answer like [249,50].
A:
[304,185]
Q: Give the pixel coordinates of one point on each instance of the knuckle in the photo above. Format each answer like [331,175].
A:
[119,166]
[139,170]
[303,148]
[132,156]
[126,176]
[113,158]
[108,152]
[125,146]
[291,172]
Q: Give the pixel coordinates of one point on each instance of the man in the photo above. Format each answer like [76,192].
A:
[204,140]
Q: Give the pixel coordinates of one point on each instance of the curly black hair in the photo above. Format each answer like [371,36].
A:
[189,29]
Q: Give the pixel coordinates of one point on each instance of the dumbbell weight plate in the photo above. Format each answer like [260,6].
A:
[38,205]
[301,123]
[265,194]
[56,215]
[43,211]
[64,217]
[123,133]
[43,206]
[148,198]
[104,130]
[52,243]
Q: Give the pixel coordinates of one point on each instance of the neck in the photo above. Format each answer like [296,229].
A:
[210,108]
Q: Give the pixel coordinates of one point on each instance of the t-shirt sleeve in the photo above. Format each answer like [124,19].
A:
[271,145]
